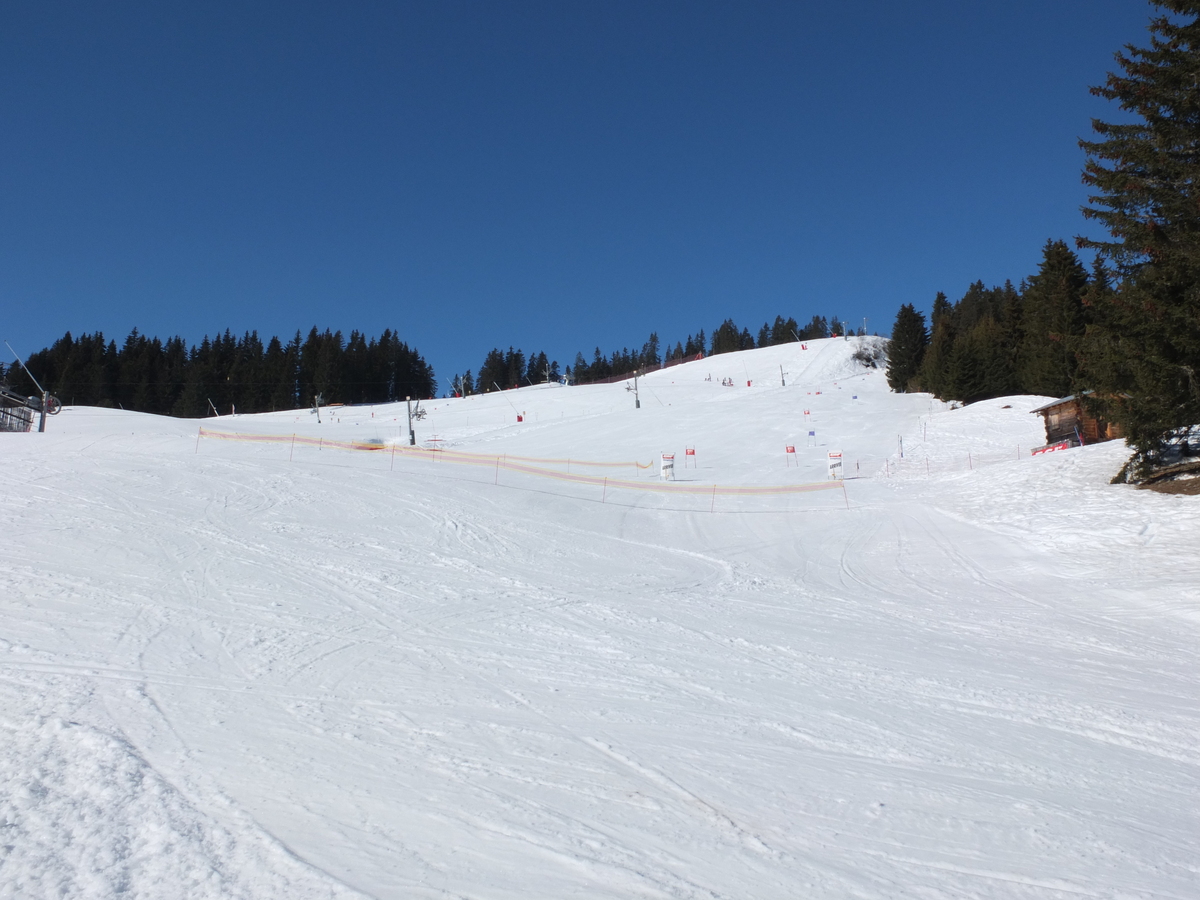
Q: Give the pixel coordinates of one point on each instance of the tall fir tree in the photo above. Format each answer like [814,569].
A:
[941,307]
[906,349]
[980,363]
[727,338]
[1053,320]
[1141,353]
[935,375]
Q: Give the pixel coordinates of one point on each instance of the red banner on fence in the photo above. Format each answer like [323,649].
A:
[1050,448]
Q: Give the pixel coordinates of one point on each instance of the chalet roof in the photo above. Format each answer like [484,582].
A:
[1059,402]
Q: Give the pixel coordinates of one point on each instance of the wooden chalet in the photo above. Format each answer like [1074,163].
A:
[1068,421]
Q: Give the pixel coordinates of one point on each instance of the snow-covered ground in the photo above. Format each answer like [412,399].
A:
[235,669]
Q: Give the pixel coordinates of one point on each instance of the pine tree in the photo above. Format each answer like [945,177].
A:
[492,373]
[817,328]
[907,348]
[579,371]
[1053,320]
[941,308]
[727,338]
[649,355]
[600,367]
[1142,351]
[274,373]
[535,373]
[784,330]
[514,368]
[937,374]
[979,363]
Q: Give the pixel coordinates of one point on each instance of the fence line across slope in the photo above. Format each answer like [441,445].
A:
[521,464]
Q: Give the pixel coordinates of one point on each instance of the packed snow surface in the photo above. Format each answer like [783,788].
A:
[272,669]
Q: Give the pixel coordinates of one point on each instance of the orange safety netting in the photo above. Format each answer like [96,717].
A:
[523,464]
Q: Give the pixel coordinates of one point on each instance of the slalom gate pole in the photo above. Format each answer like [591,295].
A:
[199,431]
[392,467]
[713,506]
[293,450]
[605,493]
[845,496]
[970,462]
[497,481]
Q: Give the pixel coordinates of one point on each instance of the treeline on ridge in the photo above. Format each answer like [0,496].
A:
[502,370]
[227,372]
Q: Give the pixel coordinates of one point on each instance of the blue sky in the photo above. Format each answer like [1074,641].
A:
[547,175]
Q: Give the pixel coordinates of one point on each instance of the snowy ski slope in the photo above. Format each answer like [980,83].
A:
[268,669]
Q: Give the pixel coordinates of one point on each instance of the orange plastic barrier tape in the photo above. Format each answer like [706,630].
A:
[521,464]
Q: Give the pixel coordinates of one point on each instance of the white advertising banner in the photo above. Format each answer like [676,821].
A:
[835,465]
[667,468]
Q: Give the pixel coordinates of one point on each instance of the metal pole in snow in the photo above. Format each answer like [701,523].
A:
[605,494]
[713,507]
[199,431]
[845,496]
[293,450]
